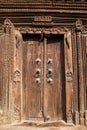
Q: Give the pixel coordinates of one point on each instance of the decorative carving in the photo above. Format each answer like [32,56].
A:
[18,38]
[86,117]
[5,118]
[17,76]
[30,30]
[76,117]
[75,74]
[69,76]
[69,117]
[79,25]
[7,26]
[7,23]
[81,118]
[6,63]
[41,1]
[16,90]
[42,18]
[80,77]
[68,50]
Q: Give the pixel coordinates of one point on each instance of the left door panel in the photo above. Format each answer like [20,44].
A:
[32,77]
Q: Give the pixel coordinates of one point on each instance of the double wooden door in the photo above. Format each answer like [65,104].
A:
[43,78]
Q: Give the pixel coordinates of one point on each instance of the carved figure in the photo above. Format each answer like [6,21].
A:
[69,53]
[18,38]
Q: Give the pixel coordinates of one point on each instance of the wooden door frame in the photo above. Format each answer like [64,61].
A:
[16,32]
[68,60]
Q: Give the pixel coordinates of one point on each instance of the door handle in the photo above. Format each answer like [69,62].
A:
[38,61]
[49,73]
[49,61]
[38,81]
[37,73]
[50,80]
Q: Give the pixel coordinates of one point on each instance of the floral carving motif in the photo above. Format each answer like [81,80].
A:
[17,76]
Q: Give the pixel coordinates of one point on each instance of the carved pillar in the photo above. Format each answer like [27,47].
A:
[80,70]
[6,71]
[69,72]
[11,63]
[84,41]
[17,79]
[75,77]
[8,60]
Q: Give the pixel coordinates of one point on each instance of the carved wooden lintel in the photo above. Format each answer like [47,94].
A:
[30,30]
[42,18]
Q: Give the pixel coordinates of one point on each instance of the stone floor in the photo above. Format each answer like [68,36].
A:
[11,127]
[29,125]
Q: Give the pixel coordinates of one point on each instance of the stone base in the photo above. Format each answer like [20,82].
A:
[10,127]
[40,125]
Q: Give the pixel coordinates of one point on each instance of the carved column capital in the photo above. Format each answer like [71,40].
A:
[7,26]
[79,25]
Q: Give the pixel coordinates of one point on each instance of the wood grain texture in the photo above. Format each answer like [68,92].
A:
[44,99]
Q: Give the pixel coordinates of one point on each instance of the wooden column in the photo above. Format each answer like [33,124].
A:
[75,77]
[17,76]
[80,71]
[7,82]
[84,40]
[69,72]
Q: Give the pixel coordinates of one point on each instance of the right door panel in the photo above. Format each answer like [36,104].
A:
[54,84]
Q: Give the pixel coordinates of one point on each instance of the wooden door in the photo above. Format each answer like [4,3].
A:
[54,83]
[43,70]
[32,77]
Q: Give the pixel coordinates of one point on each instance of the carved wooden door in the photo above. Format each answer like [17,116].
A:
[43,70]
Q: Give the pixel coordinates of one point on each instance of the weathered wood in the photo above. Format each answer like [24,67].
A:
[43,59]
[75,77]
[80,71]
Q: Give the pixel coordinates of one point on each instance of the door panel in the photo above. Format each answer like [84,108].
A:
[53,87]
[33,71]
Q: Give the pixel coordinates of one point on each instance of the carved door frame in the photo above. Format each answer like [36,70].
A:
[68,62]
[16,41]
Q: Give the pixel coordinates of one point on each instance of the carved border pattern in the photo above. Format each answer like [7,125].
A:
[79,29]
[37,30]
[48,31]
[8,30]
[75,75]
